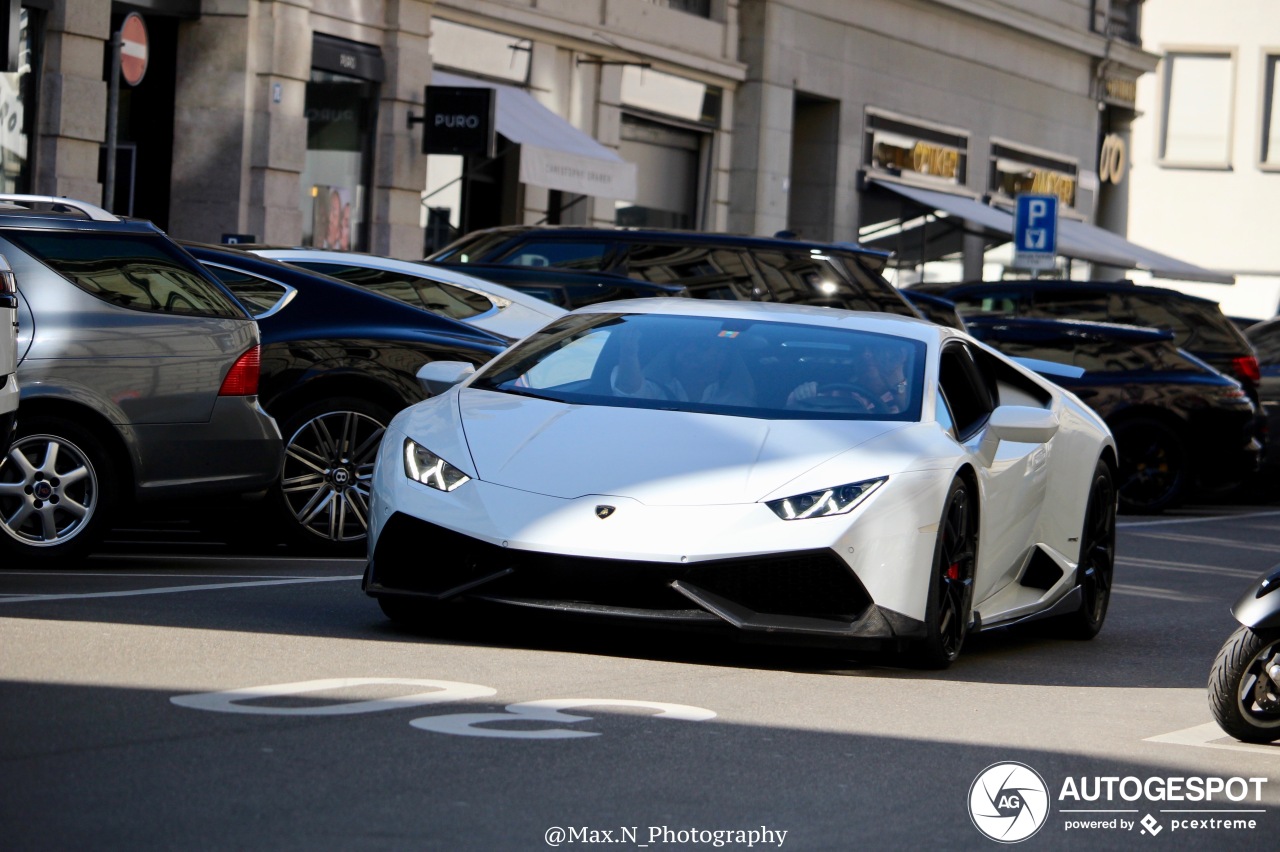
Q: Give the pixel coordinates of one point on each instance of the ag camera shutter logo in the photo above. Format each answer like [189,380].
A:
[1008,802]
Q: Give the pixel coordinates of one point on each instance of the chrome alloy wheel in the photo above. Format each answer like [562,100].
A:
[328,467]
[48,491]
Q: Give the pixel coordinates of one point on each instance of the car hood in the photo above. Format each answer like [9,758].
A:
[653,456]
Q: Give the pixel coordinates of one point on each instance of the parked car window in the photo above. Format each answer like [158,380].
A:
[561,254]
[708,272]
[1092,306]
[142,272]
[258,295]
[1266,340]
[472,247]
[1196,326]
[878,293]
[434,296]
[988,304]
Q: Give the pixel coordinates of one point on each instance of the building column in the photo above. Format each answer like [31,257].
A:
[400,168]
[72,123]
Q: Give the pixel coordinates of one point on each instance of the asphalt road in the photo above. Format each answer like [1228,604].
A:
[180,693]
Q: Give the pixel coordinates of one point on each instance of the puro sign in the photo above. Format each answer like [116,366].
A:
[459,120]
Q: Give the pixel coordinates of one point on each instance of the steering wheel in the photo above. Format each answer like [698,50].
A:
[841,396]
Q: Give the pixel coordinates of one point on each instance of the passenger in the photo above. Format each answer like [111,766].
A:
[877,384]
[698,367]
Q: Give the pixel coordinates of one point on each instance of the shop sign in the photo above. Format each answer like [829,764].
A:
[1014,179]
[459,120]
[1120,91]
[1111,160]
[895,154]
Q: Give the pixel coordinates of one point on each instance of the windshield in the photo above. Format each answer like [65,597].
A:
[744,368]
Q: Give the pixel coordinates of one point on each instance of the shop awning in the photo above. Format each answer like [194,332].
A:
[553,153]
[1076,239]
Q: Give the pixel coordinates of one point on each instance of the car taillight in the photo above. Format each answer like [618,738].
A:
[1246,366]
[242,379]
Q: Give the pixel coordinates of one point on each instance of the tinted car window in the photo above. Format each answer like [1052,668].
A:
[561,254]
[434,296]
[1096,355]
[142,272]
[1196,326]
[471,248]
[1266,340]
[258,295]
[1001,304]
[1068,304]
[708,272]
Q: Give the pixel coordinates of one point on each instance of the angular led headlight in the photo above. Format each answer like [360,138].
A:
[829,501]
[422,465]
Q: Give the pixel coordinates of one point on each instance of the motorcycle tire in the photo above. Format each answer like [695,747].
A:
[1244,694]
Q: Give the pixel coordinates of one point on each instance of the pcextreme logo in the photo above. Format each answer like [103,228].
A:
[1008,802]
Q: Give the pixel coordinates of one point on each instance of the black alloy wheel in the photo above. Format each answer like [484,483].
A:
[57,490]
[1153,466]
[951,580]
[330,449]
[1096,567]
[1244,685]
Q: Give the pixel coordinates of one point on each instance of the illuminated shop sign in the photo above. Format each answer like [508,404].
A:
[1015,173]
[898,154]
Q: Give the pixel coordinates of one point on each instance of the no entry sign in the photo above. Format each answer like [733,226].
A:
[133,49]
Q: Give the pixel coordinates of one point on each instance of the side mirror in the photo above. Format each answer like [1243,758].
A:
[436,377]
[1017,423]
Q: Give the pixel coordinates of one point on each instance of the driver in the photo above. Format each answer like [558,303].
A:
[877,383]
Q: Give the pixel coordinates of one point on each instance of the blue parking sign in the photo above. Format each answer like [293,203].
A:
[1035,231]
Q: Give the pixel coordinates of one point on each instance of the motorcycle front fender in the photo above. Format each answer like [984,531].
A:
[1259,608]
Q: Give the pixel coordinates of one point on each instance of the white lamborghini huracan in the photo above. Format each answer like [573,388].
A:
[868,479]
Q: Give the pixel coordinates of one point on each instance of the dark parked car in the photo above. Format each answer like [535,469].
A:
[1198,325]
[138,375]
[1265,337]
[571,290]
[711,266]
[338,361]
[1180,425]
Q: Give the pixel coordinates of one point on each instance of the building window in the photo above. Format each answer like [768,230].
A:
[669,167]
[701,8]
[342,116]
[1271,112]
[17,110]
[900,148]
[1197,110]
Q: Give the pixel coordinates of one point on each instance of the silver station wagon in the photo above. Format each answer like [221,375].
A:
[138,375]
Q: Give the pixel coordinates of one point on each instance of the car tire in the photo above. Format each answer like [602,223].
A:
[1097,561]
[947,613]
[1153,466]
[58,489]
[323,492]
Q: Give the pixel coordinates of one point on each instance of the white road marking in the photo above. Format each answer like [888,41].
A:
[205,587]
[1160,594]
[228,700]
[1206,736]
[1217,542]
[1185,567]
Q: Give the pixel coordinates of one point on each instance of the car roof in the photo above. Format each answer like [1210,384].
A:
[569,232]
[1068,327]
[954,290]
[447,275]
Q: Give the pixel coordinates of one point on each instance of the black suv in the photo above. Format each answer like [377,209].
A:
[1181,426]
[710,266]
[1198,325]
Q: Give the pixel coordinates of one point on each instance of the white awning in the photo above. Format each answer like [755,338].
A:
[1075,239]
[553,153]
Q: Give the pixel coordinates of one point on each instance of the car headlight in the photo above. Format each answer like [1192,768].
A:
[422,465]
[828,501]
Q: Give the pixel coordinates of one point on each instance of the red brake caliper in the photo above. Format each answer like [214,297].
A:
[953,573]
